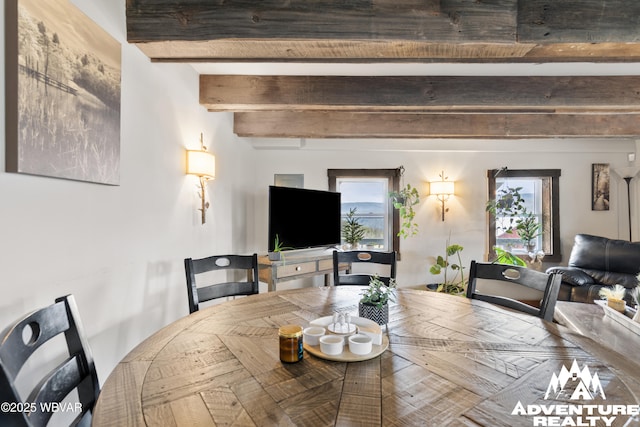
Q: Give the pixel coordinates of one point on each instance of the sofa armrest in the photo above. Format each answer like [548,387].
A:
[573,276]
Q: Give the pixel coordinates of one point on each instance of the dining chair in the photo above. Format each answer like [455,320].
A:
[21,340]
[361,258]
[548,284]
[196,268]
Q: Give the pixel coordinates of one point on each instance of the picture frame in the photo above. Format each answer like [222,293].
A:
[63,93]
[600,185]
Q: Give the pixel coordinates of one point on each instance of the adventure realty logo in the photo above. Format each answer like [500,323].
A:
[575,385]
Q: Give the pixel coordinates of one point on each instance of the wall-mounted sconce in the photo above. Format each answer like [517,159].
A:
[202,164]
[442,189]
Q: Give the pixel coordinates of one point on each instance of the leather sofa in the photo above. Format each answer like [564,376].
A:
[596,262]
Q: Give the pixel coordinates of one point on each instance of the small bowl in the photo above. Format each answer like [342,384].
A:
[312,335]
[331,344]
[360,344]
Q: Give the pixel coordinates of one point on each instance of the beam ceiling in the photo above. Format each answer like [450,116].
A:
[403,31]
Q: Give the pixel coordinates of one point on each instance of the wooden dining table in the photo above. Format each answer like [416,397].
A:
[451,361]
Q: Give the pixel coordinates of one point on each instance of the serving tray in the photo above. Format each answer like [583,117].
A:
[625,319]
[346,355]
[365,326]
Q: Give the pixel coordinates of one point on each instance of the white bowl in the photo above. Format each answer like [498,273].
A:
[312,335]
[360,344]
[331,344]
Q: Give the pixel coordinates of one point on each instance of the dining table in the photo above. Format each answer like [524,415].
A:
[448,361]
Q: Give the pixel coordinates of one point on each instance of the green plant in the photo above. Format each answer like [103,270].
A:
[506,257]
[507,204]
[277,254]
[378,293]
[404,200]
[352,231]
[510,206]
[278,245]
[443,265]
[528,228]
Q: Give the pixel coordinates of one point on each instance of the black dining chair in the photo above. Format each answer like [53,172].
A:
[21,340]
[362,258]
[548,284]
[200,289]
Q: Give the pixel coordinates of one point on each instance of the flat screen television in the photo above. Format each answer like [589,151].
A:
[303,218]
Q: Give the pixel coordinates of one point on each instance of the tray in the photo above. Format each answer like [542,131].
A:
[366,326]
[625,319]
[346,355]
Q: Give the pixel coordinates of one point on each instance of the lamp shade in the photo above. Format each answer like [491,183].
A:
[438,188]
[201,163]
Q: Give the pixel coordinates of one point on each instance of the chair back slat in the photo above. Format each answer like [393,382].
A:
[40,326]
[198,291]
[547,284]
[23,338]
[363,258]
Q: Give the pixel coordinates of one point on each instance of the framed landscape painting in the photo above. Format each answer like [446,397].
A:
[62,93]
[600,181]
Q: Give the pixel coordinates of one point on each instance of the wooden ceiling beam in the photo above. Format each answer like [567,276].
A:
[339,124]
[386,30]
[420,93]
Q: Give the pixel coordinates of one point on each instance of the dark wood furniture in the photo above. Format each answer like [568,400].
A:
[451,361]
[548,284]
[197,292]
[21,340]
[356,258]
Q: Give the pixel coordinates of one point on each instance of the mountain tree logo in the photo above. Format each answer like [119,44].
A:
[574,384]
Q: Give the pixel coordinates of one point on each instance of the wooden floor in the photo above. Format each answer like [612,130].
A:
[451,362]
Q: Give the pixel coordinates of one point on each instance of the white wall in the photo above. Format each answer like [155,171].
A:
[120,249]
[465,162]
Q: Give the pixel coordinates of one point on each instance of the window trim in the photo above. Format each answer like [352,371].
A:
[554,175]
[393,175]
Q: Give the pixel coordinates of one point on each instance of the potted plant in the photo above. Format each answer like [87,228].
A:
[278,247]
[510,205]
[404,200]
[374,304]
[352,231]
[507,204]
[451,285]
[528,229]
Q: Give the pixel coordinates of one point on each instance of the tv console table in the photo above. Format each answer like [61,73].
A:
[296,266]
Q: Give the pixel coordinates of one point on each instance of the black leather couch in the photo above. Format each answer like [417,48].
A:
[596,262]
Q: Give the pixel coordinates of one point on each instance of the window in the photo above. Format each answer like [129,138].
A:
[367,190]
[536,201]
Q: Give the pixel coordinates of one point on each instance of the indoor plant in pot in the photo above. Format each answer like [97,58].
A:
[374,304]
[451,285]
[276,254]
[352,231]
[528,228]
[509,205]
